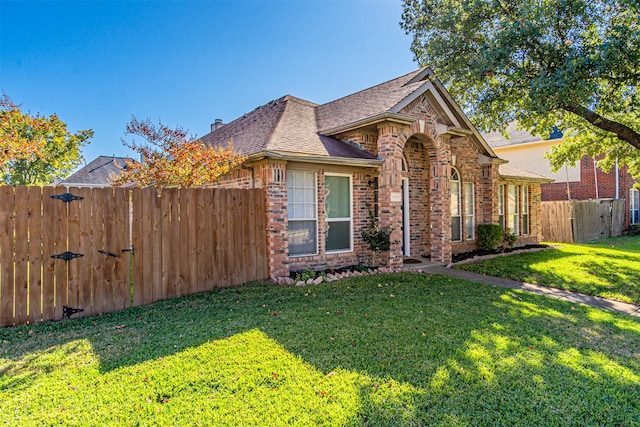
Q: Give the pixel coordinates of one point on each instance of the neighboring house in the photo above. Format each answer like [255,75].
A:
[583,181]
[403,147]
[97,173]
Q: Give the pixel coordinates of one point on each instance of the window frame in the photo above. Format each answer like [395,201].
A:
[526,203]
[634,206]
[501,207]
[315,210]
[329,220]
[470,216]
[515,215]
[459,203]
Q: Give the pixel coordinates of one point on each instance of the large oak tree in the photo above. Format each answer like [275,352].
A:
[572,64]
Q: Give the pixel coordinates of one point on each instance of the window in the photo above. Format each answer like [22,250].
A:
[634,203]
[501,207]
[469,211]
[456,223]
[338,204]
[525,209]
[512,209]
[302,230]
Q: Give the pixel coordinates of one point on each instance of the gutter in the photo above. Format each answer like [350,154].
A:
[343,161]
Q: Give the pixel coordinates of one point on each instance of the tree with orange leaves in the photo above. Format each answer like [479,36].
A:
[36,150]
[171,158]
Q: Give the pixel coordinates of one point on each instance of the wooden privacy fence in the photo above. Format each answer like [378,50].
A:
[103,249]
[582,220]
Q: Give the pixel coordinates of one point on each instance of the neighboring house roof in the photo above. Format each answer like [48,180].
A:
[295,127]
[511,172]
[97,173]
[515,137]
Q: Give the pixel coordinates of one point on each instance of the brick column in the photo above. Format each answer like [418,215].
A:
[274,179]
[490,182]
[440,201]
[390,190]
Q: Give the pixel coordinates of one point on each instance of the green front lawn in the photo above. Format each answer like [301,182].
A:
[609,268]
[390,350]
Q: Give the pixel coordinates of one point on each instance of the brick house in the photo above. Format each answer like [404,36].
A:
[583,181]
[403,149]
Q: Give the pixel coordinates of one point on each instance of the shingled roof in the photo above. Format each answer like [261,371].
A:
[292,126]
[512,172]
[97,173]
[285,125]
[515,136]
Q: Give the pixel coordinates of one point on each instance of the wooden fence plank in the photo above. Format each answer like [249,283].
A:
[156,245]
[7,224]
[200,240]
[35,254]
[208,247]
[175,242]
[216,245]
[235,242]
[60,214]
[119,244]
[166,252]
[184,244]
[252,249]
[137,240]
[48,248]
[109,281]
[85,246]
[224,224]
[21,257]
[98,238]
[192,217]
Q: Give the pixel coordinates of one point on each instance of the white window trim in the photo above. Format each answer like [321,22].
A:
[633,206]
[460,207]
[501,207]
[471,216]
[516,213]
[525,209]
[315,195]
[350,219]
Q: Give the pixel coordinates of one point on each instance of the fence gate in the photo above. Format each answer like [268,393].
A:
[71,253]
[62,252]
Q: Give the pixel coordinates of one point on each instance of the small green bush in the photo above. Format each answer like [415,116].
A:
[489,236]
[510,238]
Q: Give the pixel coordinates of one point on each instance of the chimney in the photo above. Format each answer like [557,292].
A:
[217,124]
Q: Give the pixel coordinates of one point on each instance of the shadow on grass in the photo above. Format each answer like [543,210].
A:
[418,349]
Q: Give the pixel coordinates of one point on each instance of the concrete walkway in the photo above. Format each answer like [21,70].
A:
[574,297]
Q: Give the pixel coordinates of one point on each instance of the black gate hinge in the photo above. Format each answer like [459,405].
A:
[67,312]
[67,197]
[67,256]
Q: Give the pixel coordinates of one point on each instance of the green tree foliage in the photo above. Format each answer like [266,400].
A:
[573,64]
[36,150]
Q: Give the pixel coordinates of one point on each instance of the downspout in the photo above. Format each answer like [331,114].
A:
[253,172]
[595,176]
[617,180]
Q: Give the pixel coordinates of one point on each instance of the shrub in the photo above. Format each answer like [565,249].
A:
[510,238]
[489,236]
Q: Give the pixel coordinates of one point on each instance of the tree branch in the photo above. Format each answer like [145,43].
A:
[623,132]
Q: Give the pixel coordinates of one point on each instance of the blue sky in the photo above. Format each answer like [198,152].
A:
[187,63]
